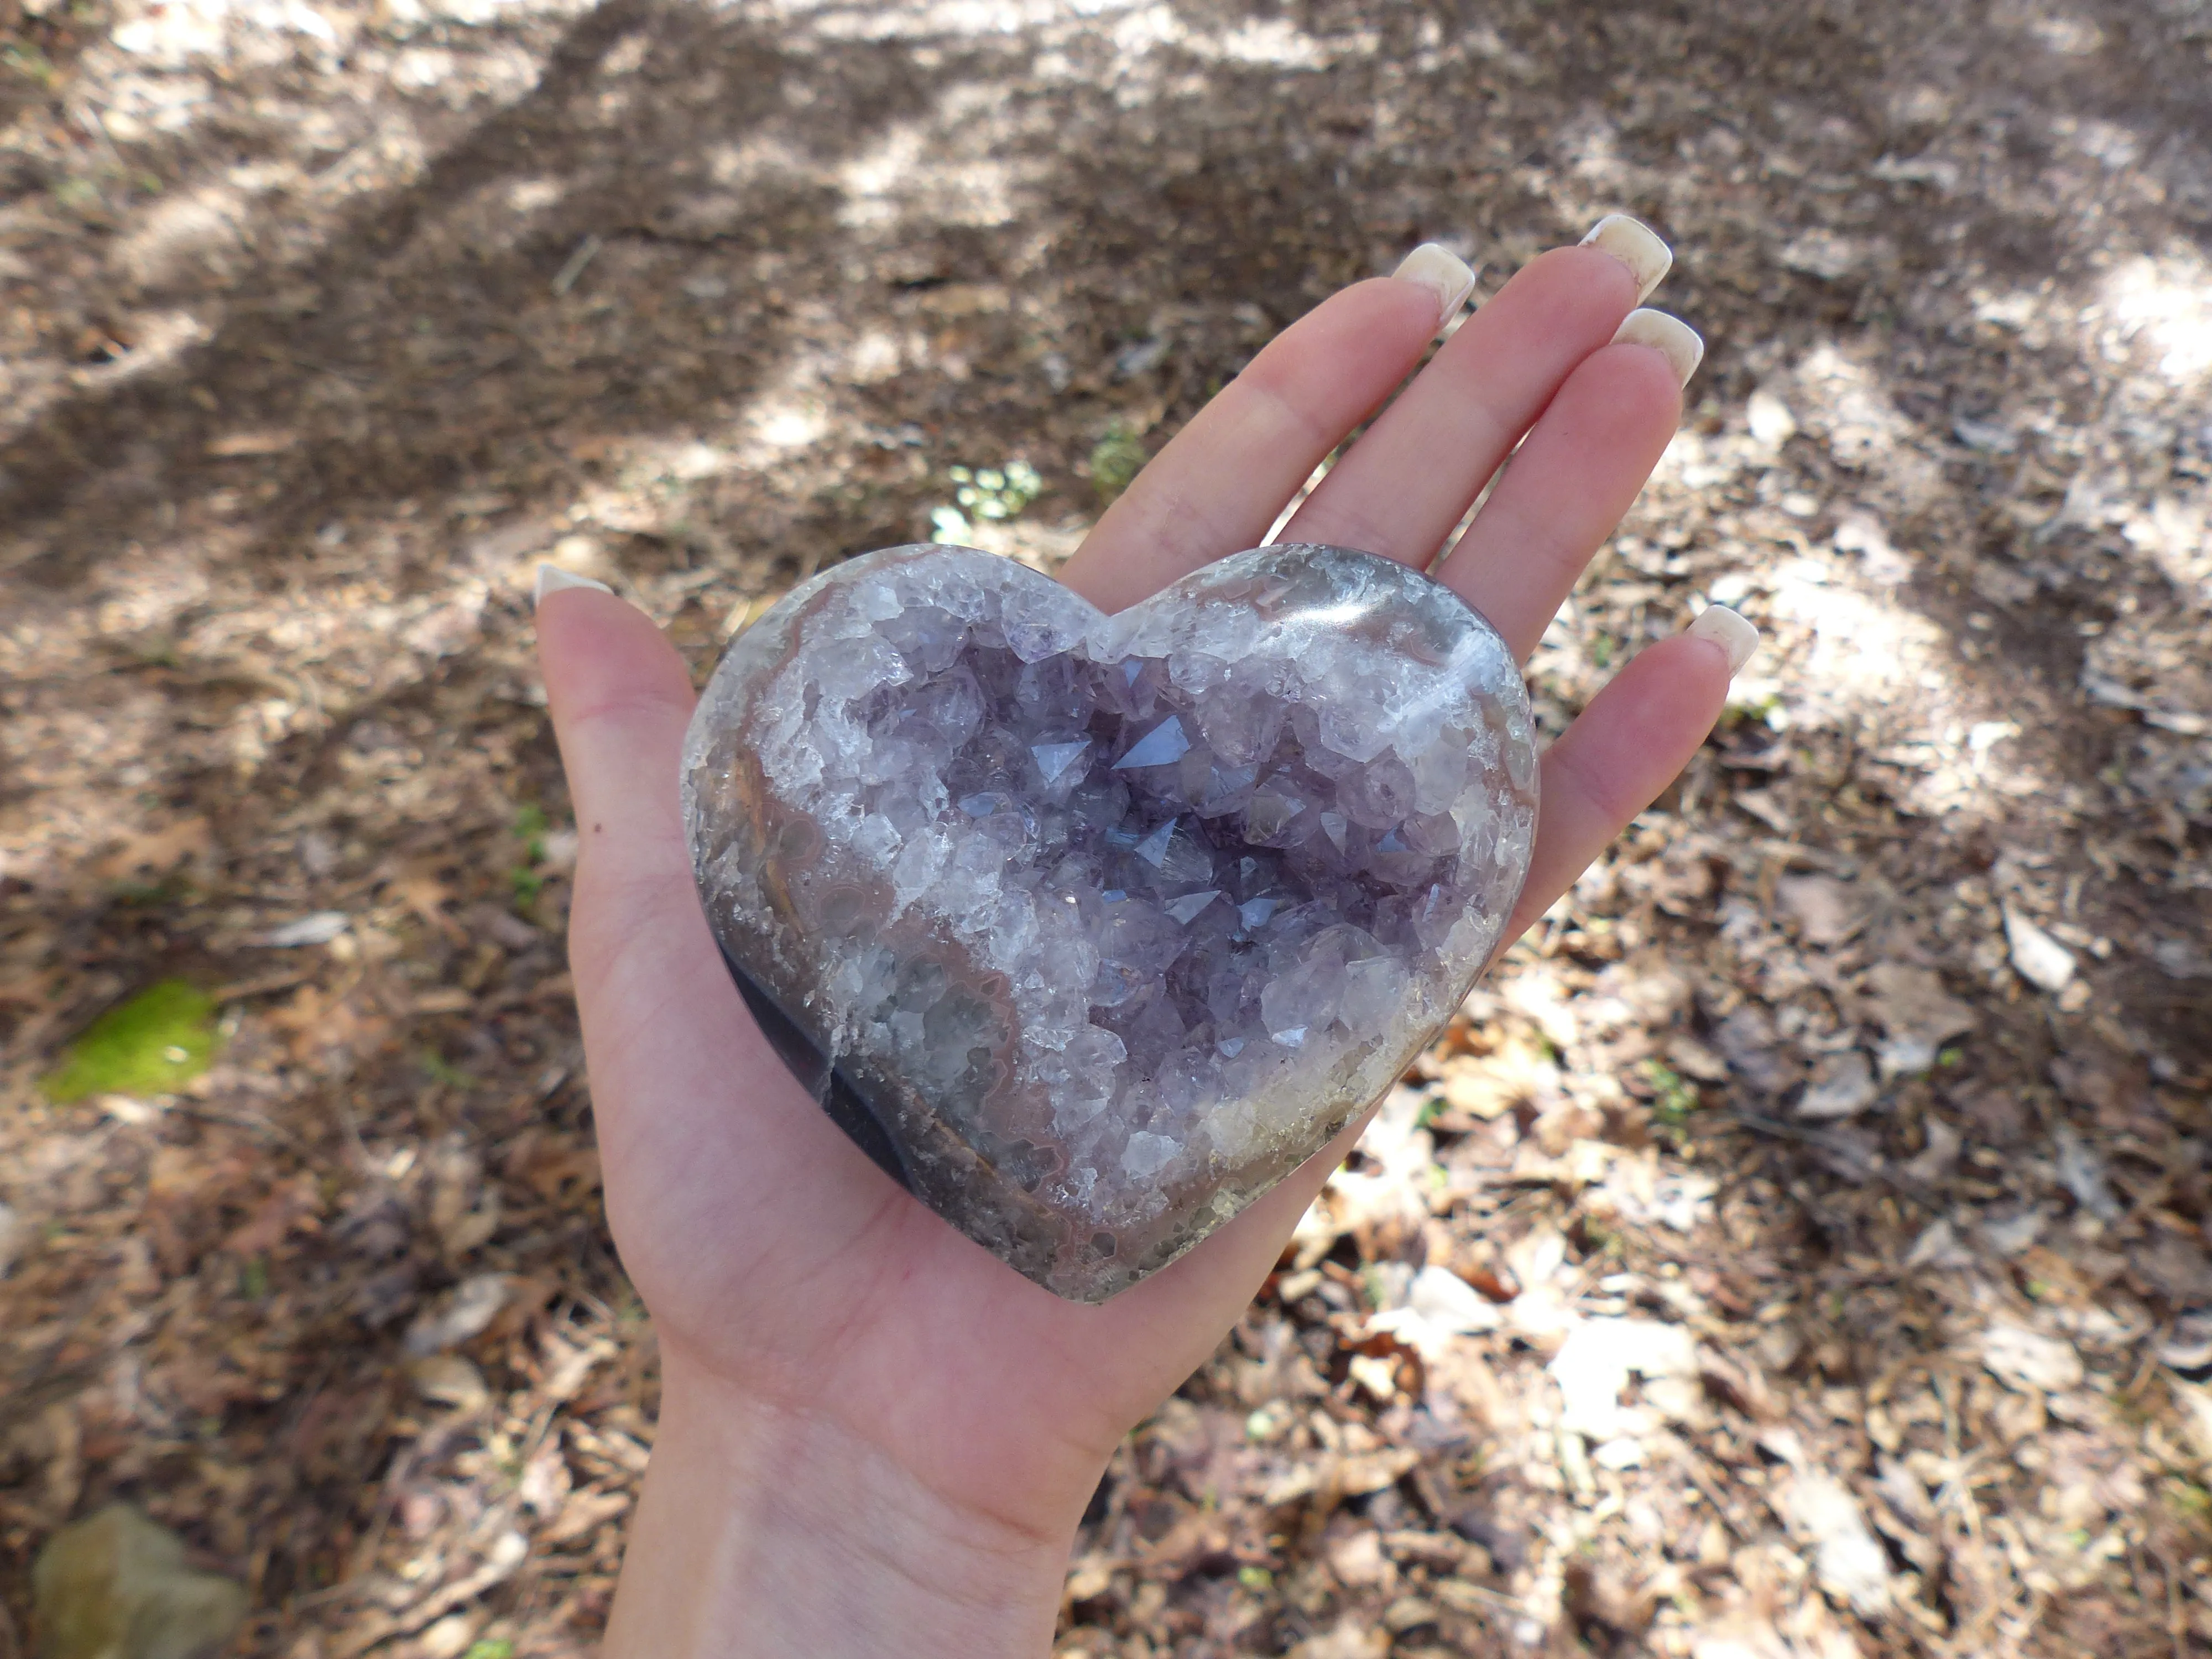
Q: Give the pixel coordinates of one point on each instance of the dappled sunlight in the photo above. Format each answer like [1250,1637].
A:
[2167,304]
[1807,1219]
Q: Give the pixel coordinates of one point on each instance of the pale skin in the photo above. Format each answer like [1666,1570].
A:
[874,1436]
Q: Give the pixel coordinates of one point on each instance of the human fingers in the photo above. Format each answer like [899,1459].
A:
[1218,485]
[645,964]
[705,1134]
[1626,748]
[620,699]
[1403,486]
[1573,477]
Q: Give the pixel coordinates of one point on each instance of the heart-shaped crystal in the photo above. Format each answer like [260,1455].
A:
[1090,929]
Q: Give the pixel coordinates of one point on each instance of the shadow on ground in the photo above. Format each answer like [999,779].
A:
[322,335]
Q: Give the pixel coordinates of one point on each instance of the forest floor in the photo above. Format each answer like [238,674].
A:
[1830,1167]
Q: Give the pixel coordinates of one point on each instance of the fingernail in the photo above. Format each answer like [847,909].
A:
[551,578]
[1737,638]
[1442,272]
[1637,246]
[1684,346]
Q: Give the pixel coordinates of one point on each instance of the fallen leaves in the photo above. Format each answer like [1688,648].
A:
[1848,1561]
[1935,884]
[1841,1085]
[2022,1359]
[1920,1016]
[463,1312]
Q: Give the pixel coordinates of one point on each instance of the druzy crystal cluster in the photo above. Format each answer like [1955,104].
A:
[1091,928]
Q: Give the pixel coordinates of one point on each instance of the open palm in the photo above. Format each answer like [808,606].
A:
[848,1376]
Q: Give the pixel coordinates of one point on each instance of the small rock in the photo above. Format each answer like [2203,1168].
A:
[115,1586]
[11,1238]
[2029,1361]
[1771,423]
[1842,1085]
[2037,957]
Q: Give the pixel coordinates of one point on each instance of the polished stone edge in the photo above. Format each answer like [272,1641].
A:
[846,1103]
[833,1091]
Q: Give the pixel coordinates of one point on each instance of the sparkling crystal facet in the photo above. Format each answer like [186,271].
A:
[1090,929]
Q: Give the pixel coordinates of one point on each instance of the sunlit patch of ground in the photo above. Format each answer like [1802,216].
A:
[1801,1247]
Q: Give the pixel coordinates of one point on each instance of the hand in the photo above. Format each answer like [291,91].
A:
[875,1437]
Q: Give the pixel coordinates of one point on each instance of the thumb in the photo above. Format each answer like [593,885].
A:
[639,945]
[706,1135]
[620,698]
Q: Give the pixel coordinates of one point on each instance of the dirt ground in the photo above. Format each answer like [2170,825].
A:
[1803,1247]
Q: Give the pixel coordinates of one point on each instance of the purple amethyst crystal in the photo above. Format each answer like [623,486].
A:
[1090,929]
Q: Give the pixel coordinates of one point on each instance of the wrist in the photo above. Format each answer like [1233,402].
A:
[765,1531]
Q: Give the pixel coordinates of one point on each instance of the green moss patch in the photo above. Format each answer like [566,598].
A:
[154,1044]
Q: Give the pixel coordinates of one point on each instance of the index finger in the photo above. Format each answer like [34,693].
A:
[1218,486]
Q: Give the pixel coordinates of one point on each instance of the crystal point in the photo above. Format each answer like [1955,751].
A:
[1163,745]
[1090,930]
[1053,759]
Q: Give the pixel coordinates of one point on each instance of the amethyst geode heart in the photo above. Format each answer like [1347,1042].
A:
[1090,929]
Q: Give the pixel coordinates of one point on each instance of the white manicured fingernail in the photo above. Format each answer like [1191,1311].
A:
[1730,631]
[1684,346]
[551,578]
[1442,272]
[1637,246]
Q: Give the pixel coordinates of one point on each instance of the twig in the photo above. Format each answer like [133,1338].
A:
[261,984]
[290,362]
[1484,1594]
[578,262]
[2175,1628]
